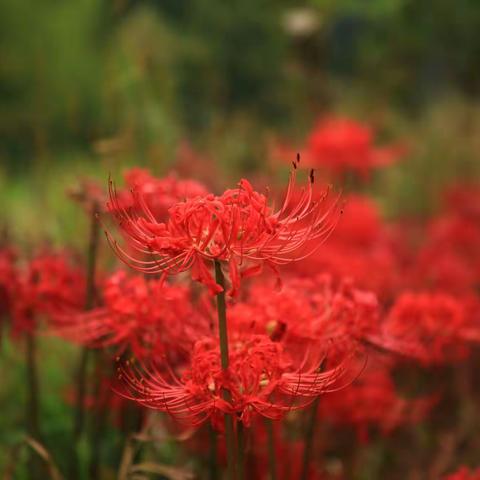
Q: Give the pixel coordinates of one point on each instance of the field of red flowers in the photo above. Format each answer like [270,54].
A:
[280,326]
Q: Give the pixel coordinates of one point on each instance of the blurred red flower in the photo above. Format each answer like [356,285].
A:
[49,285]
[138,316]
[464,473]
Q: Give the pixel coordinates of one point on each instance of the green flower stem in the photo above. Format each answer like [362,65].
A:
[82,369]
[271,449]
[309,438]
[227,396]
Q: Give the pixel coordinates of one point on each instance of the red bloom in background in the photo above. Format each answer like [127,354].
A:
[344,145]
[464,473]
[309,308]
[236,227]
[372,401]
[49,285]
[450,258]
[148,318]
[358,248]
[263,378]
[159,194]
[432,327]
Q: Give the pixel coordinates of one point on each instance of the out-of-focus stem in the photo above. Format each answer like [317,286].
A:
[309,439]
[82,369]
[241,450]
[271,449]
[99,415]
[213,461]
[32,404]
[223,334]
[32,376]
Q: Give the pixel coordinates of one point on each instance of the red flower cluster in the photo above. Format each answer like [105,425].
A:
[374,291]
[359,248]
[435,328]
[341,146]
[147,318]
[49,285]
[309,308]
[344,145]
[159,194]
[264,378]
[236,227]
[464,473]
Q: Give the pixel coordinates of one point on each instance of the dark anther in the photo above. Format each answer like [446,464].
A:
[294,165]
[279,332]
[312,176]
[298,157]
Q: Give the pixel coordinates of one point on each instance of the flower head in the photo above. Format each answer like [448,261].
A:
[262,378]
[343,145]
[49,285]
[311,308]
[238,227]
[144,317]
[158,193]
[432,327]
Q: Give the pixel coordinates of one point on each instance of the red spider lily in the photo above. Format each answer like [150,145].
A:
[359,248]
[361,223]
[431,327]
[159,194]
[343,145]
[235,227]
[312,308]
[145,317]
[372,401]
[262,378]
[49,285]
[464,473]
[450,258]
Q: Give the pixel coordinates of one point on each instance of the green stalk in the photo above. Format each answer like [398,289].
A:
[99,415]
[241,450]
[271,449]
[32,376]
[213,463]
[309,438]
[227,396]
[35,467]
[82,369]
